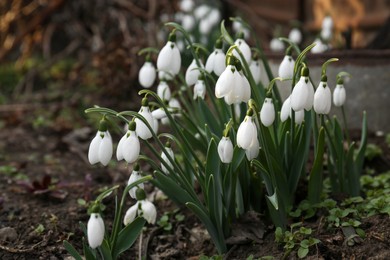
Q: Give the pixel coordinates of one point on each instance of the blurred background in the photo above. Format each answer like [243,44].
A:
[58,57]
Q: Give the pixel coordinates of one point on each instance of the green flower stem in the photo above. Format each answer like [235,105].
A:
[345,126]
[118,211]
[148,50]
[325,65]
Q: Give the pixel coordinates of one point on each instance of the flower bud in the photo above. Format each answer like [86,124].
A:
[95,230]
[225,150]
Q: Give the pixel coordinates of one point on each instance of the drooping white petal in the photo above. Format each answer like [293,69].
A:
[319,47]
[199,89]
[245,89]
[119,153]
[164,58]
[276,45]
[159,114]
[299,116]
[105,149]
[300,94]
[310,96]
[255,69]
[147,75]
[267,113]
[238,89]
[225,82]
[322,99]
[286,68]
[219,62]
[149,211]
[245,50]
[131,147]
[339,95]
[95,230]
[130,215]
[295,36]
[247,131]
[142,130]
[135,176]
[163,91]
[286,109]
[253,150]
[93,151]
[164,157]
[210,62]
[192,73]
[225,150]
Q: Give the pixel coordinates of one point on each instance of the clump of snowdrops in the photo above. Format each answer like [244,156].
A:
[227,134]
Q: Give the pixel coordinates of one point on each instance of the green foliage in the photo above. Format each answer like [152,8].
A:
[12,172]
[373,151]
[297,238]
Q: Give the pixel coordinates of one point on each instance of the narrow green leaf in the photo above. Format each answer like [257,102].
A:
[274,200]
[225,34]
[128,235]
[315,180]
[105,250]
[88,253]
[72,251]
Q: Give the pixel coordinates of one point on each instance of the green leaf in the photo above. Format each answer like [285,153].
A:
[128,235]
[88,253]
[106,193]
[302,252]
[72,251]
[225,34]
[105,250]
[315,180]
[274,200]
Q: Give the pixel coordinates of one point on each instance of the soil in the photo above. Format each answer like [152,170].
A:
[33,225]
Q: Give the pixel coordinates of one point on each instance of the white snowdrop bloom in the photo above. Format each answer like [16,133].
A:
[225,150]
[339,95]
[193,73]
[95,230]
[169,58]
[214,16]
[186,5]
[303,93]
[326,34]
[164,76]
[205,27]
[143,208]
[188,22]
[286,68]
[174,106]
[119,148]
[147,74]
[276,45]
[201,11]
[240,92]
[247,132]
[159,113]
[244,48]
[253,150]
[165,159]
[319,47]
[131,146]
[267,112]
[163,91]
[327,23]
[238,28]
[295,36]
[322,98]
[135,176]
[101,148]
[216,61]
[199,89]
[255,69]
[299,116]
[226,81]
[143,131]
[286,112]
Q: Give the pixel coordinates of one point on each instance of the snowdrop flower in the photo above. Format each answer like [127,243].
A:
[193,73]
[142,208]
[238,27]
[295,36]
[286,68]
[327,28]
[135,176]
[200,88]
[322,97]
[225,150]
[216,61]
[164,157]
[303,93]
[100,149]
[319,47]
[95,230]
[188,22]
[276,45]
[232,85]
[147,74]
[129,146]
[142,130]
[244,48]
[255,69]
[163,90]
[247,131]
[186,5]
[286,112]
[201,11]
[339,94]
[267,112]
[253,150]
[169,59]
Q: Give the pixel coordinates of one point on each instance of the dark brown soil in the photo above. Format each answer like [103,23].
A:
[61,154]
